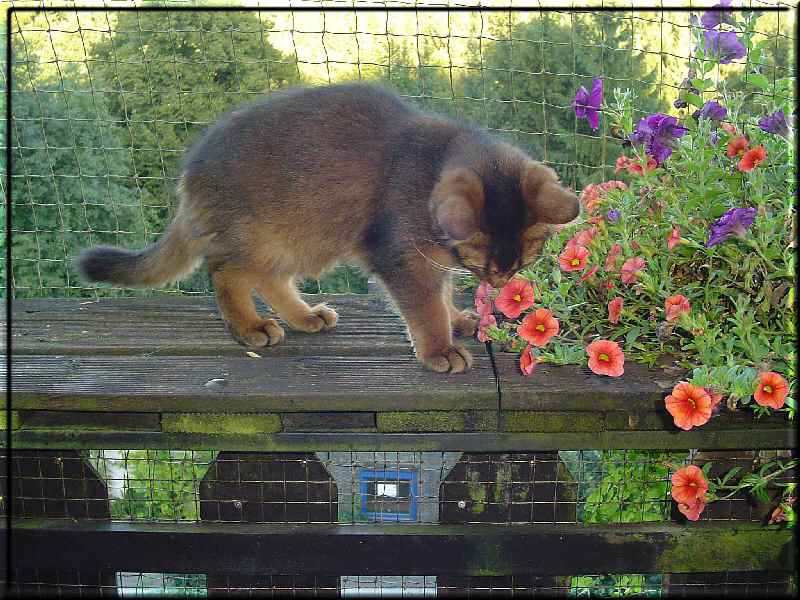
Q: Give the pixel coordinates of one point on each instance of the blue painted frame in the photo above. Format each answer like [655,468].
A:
[366,475]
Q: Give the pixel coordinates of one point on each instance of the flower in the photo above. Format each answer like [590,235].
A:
[612,216]
[606,358]
[538,327]
[588,273]
[589,197]
[752,158]
[689,405]
[483,303]
[611,259]
[587,106]
[674,238]
[631,269]
[486,321]
[614,309]
[735,221]
[657,133]
[724,45]
[711,110]
[675,306]
[737,146]
[573,258]
[613,184]
[527,361]
[582,238]
[775,123]
[772,390]
[712,18]
[689,485]
[729,128]
[516,296]
[692,511]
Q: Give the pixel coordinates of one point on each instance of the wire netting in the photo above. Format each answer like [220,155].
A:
[104,102]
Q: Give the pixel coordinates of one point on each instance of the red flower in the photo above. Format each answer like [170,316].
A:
[538,327]
[588,273]
[752,158]
[674,238]
[582,238]
[573,258]
[606,358]
[527,361]
[613,184]
[589,197]
[772,390]
[737,146]
[486,321]
[611,259]
[631,268]
[516,296]
[675,306]
[614,308]
[729,128]
[692,511]
[689,405]
[634,167]
[689,485]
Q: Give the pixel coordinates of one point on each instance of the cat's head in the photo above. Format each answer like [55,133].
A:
[498,214]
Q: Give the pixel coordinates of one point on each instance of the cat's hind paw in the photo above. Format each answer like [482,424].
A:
[452,359]
[321,318]
[266,333]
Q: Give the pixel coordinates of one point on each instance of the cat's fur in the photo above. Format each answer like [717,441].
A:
[290,185]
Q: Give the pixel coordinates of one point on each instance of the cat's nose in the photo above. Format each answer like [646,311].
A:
[498,281]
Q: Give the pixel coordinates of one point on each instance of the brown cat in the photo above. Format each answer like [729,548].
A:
[288,186]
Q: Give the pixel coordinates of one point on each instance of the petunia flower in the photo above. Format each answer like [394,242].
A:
[634,167]
[587,106]
[657,133]
[729,129]
[588,273]
[538,327]
[573,258]
[675,306]
[711,110]
[689,405]
[606,358]
[674,238]
[589,197]
[483,303]
[772,390]
[752,158]
[737,146]
[516,296]
[712,18]
[486,321]
[611,259]
[527,361]
[724,45]
[631,268]
[614,310]
[735,221]
[775,124]
[582,238]
[688,485]
[693,510]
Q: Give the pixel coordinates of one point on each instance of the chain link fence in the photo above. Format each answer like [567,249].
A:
[105,101]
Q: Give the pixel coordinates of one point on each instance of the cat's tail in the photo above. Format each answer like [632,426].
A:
[172,257]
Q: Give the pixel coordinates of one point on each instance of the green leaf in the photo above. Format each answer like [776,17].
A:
[694,100]
[758,80]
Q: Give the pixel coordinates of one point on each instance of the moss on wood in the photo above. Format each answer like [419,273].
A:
[220,423]
[437,421]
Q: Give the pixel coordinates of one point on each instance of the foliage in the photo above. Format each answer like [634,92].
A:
[615,586]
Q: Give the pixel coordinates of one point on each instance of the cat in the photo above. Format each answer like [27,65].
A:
[289,185]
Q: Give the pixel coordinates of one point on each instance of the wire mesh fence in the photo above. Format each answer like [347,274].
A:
[104,102]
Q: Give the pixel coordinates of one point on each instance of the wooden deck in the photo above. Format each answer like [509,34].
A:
[164,373]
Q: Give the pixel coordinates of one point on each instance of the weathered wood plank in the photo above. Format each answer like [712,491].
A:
[407,549]
[419,442]
[242,385]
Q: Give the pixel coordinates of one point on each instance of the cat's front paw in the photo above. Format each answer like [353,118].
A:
[465,324]
[266,333]
[452,359]
[321,318]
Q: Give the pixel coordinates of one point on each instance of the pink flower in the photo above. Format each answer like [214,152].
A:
[606,358]
[516,296]
[582,238]
[573,258]
[692,510]
[538,327]
[674,238]
[675,306]
[631,269]
[614,309]
[527,361]
[611,259]
[483,303]
[614,184]
[486,321]
[590,197]
[588,273]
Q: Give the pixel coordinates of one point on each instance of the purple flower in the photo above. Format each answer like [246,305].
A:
[775,123]
[712,18]
[714,138]
[588,105]
[724,45]
[735,221]
[612,216]
[711,110]
[657,133]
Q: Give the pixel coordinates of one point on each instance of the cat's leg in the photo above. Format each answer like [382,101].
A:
[282,295]
[465,322]
[420,293]
[234,291]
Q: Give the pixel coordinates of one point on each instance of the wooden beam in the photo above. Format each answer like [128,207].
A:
[401,549]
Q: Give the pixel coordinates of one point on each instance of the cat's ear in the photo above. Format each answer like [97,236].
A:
[547,200]
[457,202]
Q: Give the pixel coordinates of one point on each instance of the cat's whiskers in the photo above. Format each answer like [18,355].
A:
[440,266]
